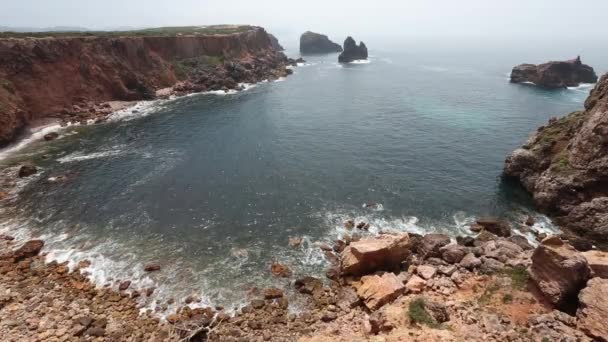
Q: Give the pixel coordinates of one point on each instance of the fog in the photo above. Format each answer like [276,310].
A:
[556,19]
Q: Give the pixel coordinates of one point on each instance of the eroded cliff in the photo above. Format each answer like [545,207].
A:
[564,165]
[66,76]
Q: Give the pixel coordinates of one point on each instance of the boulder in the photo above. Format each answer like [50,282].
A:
[280,270]
[453,253]
[28,250]
[273,293]
[415,284]
[430,245]
[51,136]
[560,74]
[495,226]
[311,43]
[352,51]
[598,262]
[521,241]
[308,285]
[559,270]
[593,309]
[27,170]
[425,271]
[375,290]
[467,241]
[470,261]
[153,267]
[368,255]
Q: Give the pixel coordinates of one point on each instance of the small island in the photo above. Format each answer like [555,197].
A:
[352,51]
[316,43]
[554,75]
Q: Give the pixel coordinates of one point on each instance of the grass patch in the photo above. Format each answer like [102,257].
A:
[418,314]
[507,298]
[519,276]
[486,296]
[149,32]
[561,128]
[184,67]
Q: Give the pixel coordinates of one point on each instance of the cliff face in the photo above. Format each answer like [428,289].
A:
[311,43]
[565,167]
[58,76]
[555,74]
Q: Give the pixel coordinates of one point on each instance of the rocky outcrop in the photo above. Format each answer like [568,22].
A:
[274,41]
[316,43]
[352,51]
[593,309]
[564,165]
[372,254]
[66,77]
[555,74]
[375,291]
[559,271]
[598,262]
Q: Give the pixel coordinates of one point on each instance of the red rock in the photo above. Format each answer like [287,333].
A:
[559,270]
[152,267]
[124,285]
[593,309]
[27,170]
[372,254]
[598,261]
[272,293]
[280,270]
[375,291]
[495,226]
[28,250]
[415,284]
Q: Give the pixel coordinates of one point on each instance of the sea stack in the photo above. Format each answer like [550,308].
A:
[564,166]
[311,43]
[352,51]
[555,75]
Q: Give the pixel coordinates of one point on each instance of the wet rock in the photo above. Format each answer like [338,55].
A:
[51,136]
[27,170]
[152,267]
[29,249]
[368,255]
[280,270]
[124,285]
[598,261]
[495,226]
[308,285]
[431,244]
[349,224]
[375,291]
[272,293]
[476,228]
[470,262]
[453,253]
[484,237]
[558,270]
[295,241]
[467,241]
[530,221]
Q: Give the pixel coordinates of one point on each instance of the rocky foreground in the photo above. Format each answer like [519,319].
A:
[393,287]
[560,74]
[564,165]
[73,78]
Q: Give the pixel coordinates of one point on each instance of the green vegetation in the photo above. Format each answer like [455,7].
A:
[184,67]
[418,314]
[519,276]
[507,298]
[561,163]
[559,129]
[488,293]
[150,32]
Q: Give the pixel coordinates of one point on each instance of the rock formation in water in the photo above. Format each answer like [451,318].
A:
[311,43]
[555,74]
[352,51]
[70,76]
[564,165]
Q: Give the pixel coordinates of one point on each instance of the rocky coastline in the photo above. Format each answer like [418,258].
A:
[390,287]
[76,79]
[564,165]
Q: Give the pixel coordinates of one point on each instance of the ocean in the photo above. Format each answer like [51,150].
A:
[211,186]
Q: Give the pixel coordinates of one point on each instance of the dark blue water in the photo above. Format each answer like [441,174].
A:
[212,186]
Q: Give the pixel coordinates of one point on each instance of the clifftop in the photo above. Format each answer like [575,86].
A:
[564,165]
[67,74]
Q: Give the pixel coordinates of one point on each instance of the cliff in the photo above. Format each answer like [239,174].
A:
[555,74]
[564,165]
[66,76]
[352,51]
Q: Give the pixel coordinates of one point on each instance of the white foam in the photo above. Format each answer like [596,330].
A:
[80,156]
[35,134]
[583,87]
[360,61]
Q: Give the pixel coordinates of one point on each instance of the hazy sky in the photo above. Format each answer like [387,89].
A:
[506,18]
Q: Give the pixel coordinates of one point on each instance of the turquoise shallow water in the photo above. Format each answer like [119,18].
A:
[211,186]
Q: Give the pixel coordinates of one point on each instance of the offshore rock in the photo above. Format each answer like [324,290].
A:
[555,74]
[311,43]
[352,51]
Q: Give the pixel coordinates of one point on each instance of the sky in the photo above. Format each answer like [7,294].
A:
[421,18]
